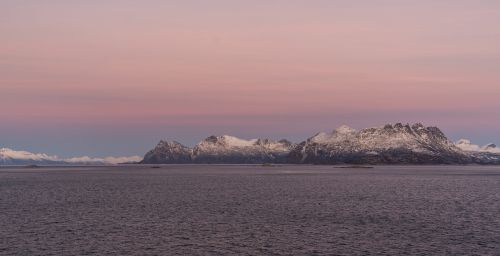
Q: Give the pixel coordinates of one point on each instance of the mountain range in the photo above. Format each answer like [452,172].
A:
[12,157]
[389,144]
[221,149]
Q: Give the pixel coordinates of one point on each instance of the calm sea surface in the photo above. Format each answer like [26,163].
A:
[250,210]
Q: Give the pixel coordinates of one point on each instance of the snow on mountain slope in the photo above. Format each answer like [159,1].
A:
[13,157]
[220,149]
[387,144]
[488,154]
[7,153]
[416,137]
[231,141]
[229,149]
[226,143]
[466,145]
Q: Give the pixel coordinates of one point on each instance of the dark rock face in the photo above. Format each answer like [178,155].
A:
[168,152]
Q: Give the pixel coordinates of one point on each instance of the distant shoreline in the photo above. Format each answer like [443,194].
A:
[336,166]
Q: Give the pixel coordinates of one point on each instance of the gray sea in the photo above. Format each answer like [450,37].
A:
[250,210]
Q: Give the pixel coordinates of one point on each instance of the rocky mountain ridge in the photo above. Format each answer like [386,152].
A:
[221,149]
[388,144]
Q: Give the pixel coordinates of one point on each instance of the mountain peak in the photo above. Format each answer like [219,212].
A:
[227,140]
[463,142]
[466,145]
[168,152]
[167,142]
[345,129]
[417,126]
[489,146]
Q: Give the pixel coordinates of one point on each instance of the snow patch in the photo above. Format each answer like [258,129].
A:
[345,129]
[237,142]
[385,137]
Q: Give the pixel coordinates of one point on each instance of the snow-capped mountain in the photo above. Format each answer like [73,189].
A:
[229,149]
[220,149]
[104,160]
[487,154]
[466,145]
[389,144]
[13,157]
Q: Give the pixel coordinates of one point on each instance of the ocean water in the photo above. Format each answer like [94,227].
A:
[250,210]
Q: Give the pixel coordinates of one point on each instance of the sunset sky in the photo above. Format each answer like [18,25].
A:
[112,77]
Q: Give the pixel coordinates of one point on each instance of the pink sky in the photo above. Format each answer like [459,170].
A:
[76,72]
